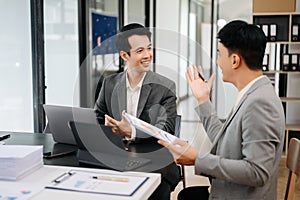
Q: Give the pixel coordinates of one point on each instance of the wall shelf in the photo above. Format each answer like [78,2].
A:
[283,35]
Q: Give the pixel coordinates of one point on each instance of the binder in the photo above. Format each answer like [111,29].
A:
[294,62]
[286,62]
[295,32]
[265,29]
[265,64]
[273,32]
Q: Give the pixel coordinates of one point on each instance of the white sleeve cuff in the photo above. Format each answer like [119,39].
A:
[133,134]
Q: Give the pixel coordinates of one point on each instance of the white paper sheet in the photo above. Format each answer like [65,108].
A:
[150,129]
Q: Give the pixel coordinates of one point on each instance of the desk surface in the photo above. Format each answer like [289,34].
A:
[159,157]
[48,173]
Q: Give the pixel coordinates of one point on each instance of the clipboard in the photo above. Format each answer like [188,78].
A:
[99,183]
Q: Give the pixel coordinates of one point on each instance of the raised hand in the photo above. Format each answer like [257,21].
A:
[201,89]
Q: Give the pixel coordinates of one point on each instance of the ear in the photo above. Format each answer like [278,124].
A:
[236,60]
[124,55]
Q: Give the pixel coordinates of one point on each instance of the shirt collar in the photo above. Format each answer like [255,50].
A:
[139,85]
[244,90]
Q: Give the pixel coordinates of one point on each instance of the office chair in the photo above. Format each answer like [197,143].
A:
[98,87]
[177,134]
[293,164]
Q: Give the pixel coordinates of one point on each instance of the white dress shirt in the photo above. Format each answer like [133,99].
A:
[133,96]
[244,90]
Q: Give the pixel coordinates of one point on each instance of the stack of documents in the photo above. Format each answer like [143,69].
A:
[16,161]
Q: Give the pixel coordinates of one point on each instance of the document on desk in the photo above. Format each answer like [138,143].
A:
[102,183]
[18,191]
[150,129]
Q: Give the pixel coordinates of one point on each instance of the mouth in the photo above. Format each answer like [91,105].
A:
[146,63]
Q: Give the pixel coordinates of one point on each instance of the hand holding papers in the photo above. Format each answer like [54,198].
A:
[149,129]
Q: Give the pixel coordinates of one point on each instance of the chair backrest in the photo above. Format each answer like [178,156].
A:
[177,134]
[177,125]
[293,164]
[98,87]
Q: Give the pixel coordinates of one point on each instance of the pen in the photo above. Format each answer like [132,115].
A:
[4,136]
[203,79]
[108,178]
[63,177]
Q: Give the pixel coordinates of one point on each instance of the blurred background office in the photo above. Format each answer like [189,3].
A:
[46,49]
[49,52]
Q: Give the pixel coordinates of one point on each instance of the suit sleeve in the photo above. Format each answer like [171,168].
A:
[163,115]
[210,119]
[262,126]
[169,105]
[100,105]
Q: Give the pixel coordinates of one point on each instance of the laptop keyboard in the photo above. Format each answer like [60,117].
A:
[133,164]
[117,162]
[127,164]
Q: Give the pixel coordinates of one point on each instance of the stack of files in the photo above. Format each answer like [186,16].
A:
[17,161]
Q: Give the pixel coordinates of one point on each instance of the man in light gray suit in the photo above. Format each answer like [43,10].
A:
[246,149]
[142,93]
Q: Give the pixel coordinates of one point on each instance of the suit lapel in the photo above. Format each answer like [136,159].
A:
[233,112]
[145,92]
[119,98]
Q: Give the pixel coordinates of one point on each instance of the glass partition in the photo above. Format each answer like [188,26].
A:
[16,103]
[61,52]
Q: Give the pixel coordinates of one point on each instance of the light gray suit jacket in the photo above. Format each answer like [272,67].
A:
[157,102]
[248,146]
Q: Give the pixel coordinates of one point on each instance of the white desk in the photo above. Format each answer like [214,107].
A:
[48,173]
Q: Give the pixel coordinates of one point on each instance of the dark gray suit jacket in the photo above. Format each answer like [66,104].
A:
[157,102]
[244,161]
[157,106]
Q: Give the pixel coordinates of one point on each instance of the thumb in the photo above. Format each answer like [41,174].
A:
[179,142]
[210,82]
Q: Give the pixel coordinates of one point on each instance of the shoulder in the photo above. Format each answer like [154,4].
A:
[114,78]
[153,77]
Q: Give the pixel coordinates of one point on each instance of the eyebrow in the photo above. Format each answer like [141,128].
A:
[149,45]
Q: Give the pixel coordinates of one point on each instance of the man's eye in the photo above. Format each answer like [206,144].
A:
[139,51]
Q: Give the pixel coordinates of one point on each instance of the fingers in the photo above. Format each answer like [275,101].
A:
[109,121]
[115,130]
[180,142]
[200,70]
[196,76]
[175,146]
[189,75]
[194,73]
[210,82]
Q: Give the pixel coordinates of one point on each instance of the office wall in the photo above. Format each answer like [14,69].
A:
[167,37]
[16,105]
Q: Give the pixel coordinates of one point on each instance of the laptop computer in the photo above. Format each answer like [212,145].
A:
[99,146]
[59,116]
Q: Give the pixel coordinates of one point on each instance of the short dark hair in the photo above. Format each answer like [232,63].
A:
[245,39]
[122,43]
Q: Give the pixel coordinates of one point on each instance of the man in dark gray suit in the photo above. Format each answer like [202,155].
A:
[246,149]
[142,93]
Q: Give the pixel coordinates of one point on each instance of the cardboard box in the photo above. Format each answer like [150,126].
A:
[274,6]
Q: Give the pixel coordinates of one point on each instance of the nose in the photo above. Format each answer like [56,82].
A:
[147,53]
